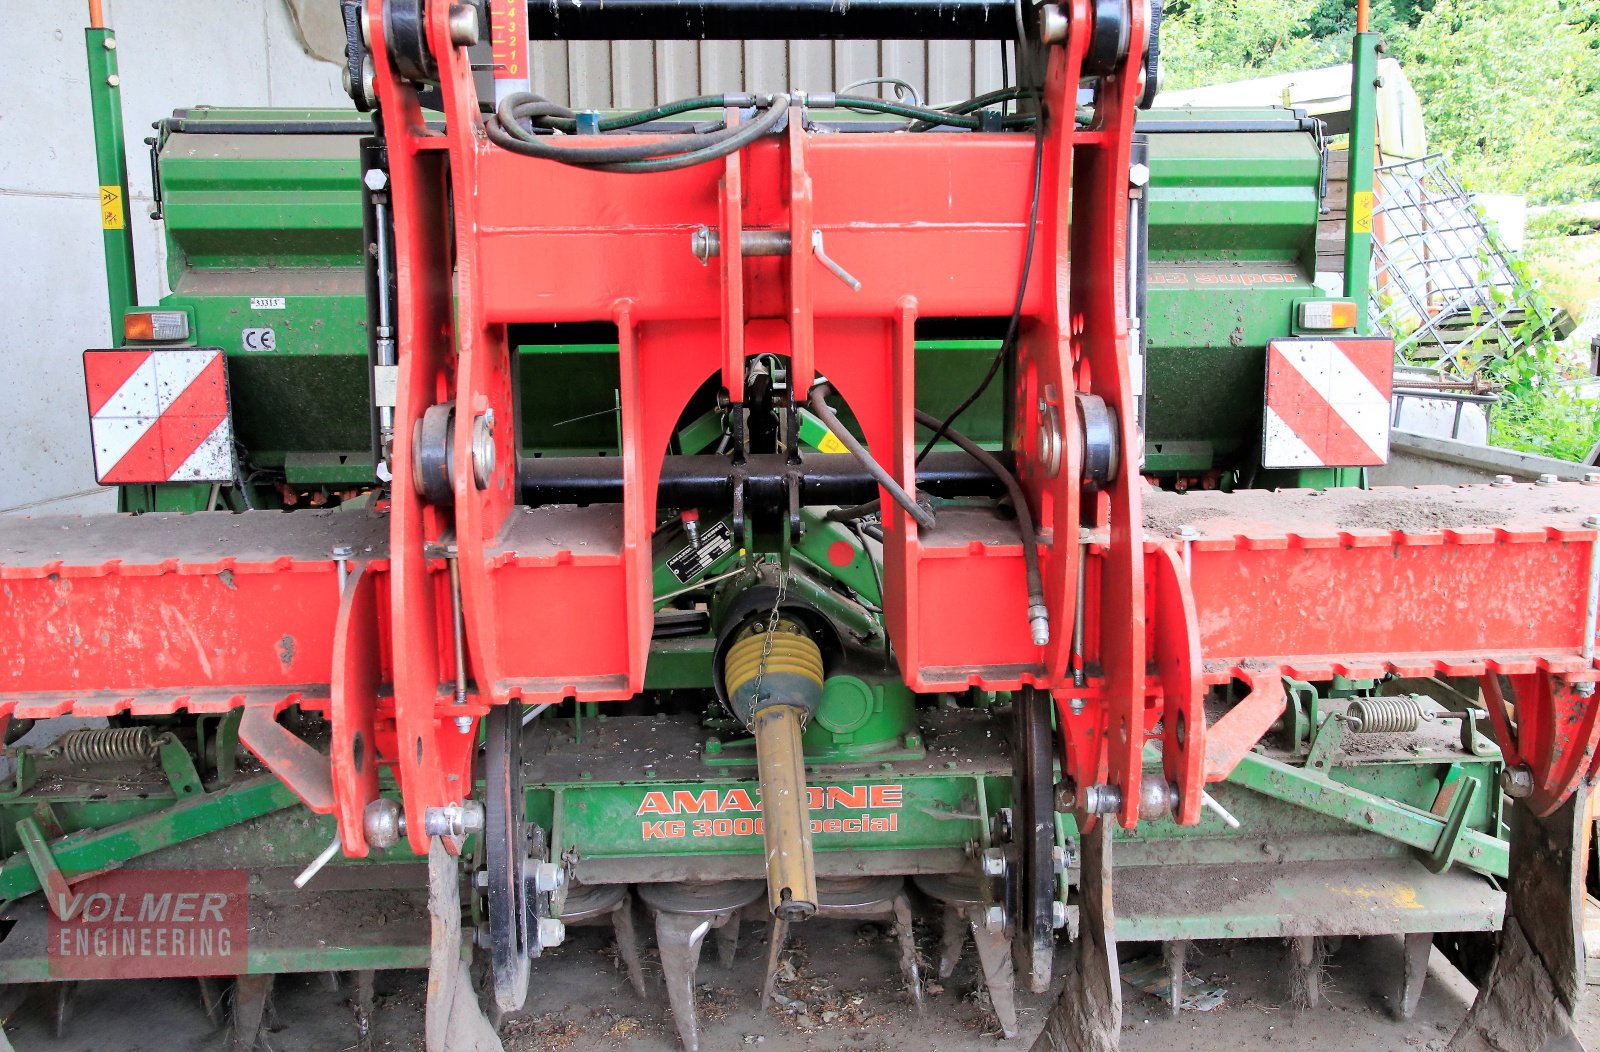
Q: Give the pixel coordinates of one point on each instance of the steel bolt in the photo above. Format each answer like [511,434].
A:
[453,819]
[376,179]
[480,879]
[1102,799]
[1058,914]
[464,724]
[1502,480]
[1517,781]
[1139,174]
[1058,860]
[110,44]
[994,918]
[113,80]
[994,863]
[1547,480]
[549,876]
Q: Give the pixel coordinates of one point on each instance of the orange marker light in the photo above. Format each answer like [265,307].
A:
[156,326]
[1327,315]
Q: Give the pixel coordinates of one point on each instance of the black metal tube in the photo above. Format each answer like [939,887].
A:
[705,481]
[819,405]
[772,20]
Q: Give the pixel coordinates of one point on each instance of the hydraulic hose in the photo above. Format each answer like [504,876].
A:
[1038,614]
[924,113]
[819,405]
[568,122]
[637,157]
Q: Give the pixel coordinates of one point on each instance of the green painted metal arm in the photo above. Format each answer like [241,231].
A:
[1436,836]
[1363,147]
[105,99]
[95,849]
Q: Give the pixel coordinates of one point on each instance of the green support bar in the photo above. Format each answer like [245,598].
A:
[105,99]
[91,850]
[1406,825]
[1363,151]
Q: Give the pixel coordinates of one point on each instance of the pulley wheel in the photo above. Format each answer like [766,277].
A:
[1034,832]
[505,853]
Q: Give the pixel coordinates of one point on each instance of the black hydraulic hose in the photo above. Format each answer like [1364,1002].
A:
[514,107]
[923,113]
[567,122]
[819,405]
[982,102]
[860,511]
[1038,614]
[678,151]
[743,135]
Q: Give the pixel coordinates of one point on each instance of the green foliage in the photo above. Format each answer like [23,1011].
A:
[1551,422]
[1510,88]
[1212,41]
[1539,411]
[1511,92]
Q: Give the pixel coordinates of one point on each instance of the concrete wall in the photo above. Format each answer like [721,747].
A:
[173,54]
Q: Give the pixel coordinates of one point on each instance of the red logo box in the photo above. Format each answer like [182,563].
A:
[150,923]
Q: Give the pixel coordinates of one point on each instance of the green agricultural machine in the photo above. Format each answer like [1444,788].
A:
[776,730]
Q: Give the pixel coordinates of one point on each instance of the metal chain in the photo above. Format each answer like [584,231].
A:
[772,628]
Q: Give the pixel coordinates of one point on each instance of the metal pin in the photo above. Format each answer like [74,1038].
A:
[838,271]
[450,557]
[1221,812]
[317,863]
[1077,625]
[342,553]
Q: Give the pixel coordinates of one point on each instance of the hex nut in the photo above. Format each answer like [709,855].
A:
[551,932]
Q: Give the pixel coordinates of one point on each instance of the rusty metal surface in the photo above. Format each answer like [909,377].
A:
[1271,899]
[112,543]
[1417,511]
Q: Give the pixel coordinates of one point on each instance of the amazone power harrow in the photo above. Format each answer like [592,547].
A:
[786,505]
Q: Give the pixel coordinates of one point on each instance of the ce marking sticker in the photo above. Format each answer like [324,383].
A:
[259,340]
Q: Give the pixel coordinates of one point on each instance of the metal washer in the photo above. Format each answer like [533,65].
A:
[854,892]
[585,901]
[956,889]
[702,898]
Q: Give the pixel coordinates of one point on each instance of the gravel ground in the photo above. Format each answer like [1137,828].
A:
[843,973]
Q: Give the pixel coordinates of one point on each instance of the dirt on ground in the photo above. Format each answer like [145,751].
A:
[839,990]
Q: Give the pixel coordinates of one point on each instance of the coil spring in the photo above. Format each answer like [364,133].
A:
[106,745]
[1387,715]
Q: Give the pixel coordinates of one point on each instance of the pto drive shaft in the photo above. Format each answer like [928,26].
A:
[773,673]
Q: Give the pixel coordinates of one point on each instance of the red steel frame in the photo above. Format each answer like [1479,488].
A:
[156,614]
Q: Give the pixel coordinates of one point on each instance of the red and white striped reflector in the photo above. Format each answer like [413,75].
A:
[159,415]
[1328,402]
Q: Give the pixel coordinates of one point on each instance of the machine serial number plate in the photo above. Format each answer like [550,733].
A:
[695,559]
